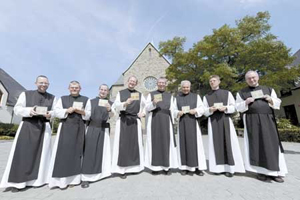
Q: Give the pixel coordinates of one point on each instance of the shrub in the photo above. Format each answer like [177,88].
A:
[283,123]
[8,129]
[289,135]
[55,124]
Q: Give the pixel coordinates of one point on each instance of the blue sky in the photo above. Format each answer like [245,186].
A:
[94,41]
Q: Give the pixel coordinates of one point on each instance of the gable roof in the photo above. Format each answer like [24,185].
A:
[120,81]
[296,62]
[149,44]
[13,88]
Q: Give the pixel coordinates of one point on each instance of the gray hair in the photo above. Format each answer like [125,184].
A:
[74,82]
[133,76]
[184,82]
[249,72]
[162,78]
[104,85]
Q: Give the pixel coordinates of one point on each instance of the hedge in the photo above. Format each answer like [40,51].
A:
[289,135]
[286,135]
[8,129]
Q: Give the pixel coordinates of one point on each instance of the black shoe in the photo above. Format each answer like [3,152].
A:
[228,174]
[263,178]
[154,173]
[14,190]
[183,172]
[167,173]
[199,172]
[277,179]
[85,184]
[123,176]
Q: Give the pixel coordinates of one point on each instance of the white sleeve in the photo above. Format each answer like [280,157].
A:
[172,105]
[240,104]
[20,108]
[59,111]
[118,105]
[87,110]
[276,101]
[175,109]
[149,104]
[200,107]
[112,111]
[51,112]
[143,105]
[230,104]
[206,107]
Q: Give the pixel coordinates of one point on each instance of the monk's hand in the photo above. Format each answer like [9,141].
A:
[108,107]
[70,110]
[140,115]
[128,101]
[212,109]
[155,101]
[32,111]
[222,109]
[268,99]
[249,100]
[180,113]
[193,111]
[47,115]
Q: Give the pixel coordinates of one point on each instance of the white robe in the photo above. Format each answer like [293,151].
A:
[20,109]
[60,113]
[119,106]
[242,107]
[236,151]
[173,159]
[200,148]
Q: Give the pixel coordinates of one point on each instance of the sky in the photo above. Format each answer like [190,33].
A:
[95,41]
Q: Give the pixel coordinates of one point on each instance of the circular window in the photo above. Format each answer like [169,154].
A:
[150,83]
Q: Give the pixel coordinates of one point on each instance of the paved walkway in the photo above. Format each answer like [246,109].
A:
[174,187]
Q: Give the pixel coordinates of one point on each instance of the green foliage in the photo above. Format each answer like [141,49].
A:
[6,137]
[8,129]
[55,124]
[230,52]
[289,135]
[283,123]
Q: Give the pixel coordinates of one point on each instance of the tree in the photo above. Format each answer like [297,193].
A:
[230,52]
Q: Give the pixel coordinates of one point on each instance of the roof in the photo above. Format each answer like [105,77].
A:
[143,51]
[120,81]
[13,88]
[296,62]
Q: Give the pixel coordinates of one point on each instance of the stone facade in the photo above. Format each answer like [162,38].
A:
[148,64]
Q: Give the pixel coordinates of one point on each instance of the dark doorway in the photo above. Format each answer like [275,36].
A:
[290,113]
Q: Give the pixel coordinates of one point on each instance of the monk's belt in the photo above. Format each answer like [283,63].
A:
[163,111]
[99,125]
[35,119]
[125,114]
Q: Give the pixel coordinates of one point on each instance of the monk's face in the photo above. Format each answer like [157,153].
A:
[214,83]
[42,84]
[252,79]
[132,82]
[74,89]
[103,91]
[161,84]
[186,88]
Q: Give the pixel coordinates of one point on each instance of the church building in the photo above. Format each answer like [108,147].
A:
[147,67]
